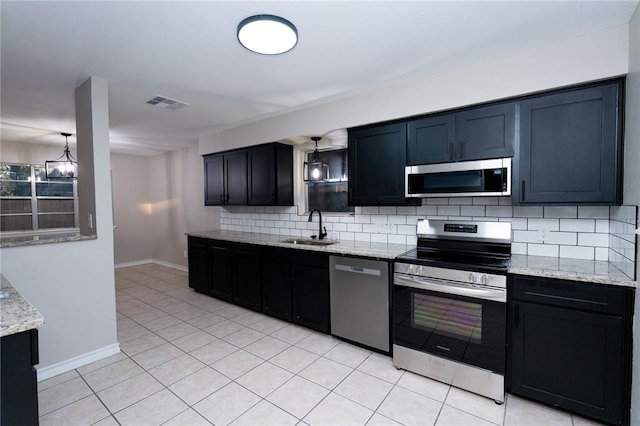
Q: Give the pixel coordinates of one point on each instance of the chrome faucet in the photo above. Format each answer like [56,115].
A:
[321,234]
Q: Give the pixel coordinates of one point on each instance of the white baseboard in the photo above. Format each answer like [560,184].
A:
[171,265]
[134,263]
[77,362]
[147,261]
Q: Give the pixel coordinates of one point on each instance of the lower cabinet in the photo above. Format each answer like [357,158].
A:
[19,383]
[569,346]
[296,287]
[290,284]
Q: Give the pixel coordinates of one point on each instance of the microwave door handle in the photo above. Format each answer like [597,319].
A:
[421,283]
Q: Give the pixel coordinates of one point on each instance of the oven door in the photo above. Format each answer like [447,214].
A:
[451,320]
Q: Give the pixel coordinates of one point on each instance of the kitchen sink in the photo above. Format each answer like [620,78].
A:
[309,242]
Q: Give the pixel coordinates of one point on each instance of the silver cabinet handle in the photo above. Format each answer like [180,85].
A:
[358,270]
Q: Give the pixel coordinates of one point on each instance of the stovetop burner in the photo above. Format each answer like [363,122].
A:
[464,261]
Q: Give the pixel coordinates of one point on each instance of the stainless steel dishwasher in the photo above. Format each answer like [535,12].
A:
[360,300]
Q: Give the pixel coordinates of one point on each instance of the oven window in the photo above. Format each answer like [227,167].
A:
[448,317]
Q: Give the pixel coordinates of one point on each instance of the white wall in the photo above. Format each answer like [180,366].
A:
[72,284]
[632,185]
[131,208]
[177,203]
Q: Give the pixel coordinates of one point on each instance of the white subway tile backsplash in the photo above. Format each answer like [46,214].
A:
[549,224]
[593,240]
[359,236]
[567,212]
[379,238]
[436,201]
[347,236]
[354,227]
[577,225]
[577,252]
[427,210]
[525,236]
[369,210]
[602,253]
[593,212]
[528,211]
[602,226]
[519,248]
[461,201]
[448,210]
[406,210]
[397,220]
[406,229]
[499,211]
[388,210]
[472,210]
[564,238]
[549,250]
[397,239]
[487,201]
[516,223]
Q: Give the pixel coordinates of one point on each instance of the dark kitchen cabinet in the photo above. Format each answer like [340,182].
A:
[19,383]
[471,134]
[247,285]
[571,147]
[377,157]
[225,178]
[570,346]
[311,291]
[296,287]
[270,175]
[211,267]
[277,282]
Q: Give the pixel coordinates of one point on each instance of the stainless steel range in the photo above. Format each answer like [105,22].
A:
[449,304]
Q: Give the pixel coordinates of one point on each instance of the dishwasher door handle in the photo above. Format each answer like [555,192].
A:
[358,270]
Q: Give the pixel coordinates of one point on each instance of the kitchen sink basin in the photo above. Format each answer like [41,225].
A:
[308,242]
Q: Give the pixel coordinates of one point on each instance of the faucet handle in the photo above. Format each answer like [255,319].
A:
[324,233]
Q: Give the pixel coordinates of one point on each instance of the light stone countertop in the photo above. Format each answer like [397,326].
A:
[45,238]
[597,272]
[16,313]
[590,271]
[355,248]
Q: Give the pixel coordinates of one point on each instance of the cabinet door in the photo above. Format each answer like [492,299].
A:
[262,176]
[570,147]
[568,358]
[486,132]
[235,169]
[311,297]
[221,272]
[199,264]
[247,281]
[214,194]
[276,287]
[18,379]
[377,157]
[431,140]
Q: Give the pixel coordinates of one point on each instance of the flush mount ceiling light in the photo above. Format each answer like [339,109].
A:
[315,170]
[64,167]
[267,34]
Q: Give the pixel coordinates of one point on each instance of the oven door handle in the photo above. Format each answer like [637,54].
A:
[450,287]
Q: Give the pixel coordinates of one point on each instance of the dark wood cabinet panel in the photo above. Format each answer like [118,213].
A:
[569,348]
[225,178]
[247,291]
[377,157]
[571,147]
[311,294]
[277,281]
[472,134]
[199,268]
[211,267]
[19,383]
[270,175]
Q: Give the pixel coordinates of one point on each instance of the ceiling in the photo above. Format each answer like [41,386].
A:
[188,51]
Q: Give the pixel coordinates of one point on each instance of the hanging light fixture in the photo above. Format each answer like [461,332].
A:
[315,170]
[64,167]
[267,34]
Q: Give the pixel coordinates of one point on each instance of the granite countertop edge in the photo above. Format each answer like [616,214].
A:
[589,271]
[36,240]
[16,313]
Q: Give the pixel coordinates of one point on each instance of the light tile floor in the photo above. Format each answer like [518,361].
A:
[189,359]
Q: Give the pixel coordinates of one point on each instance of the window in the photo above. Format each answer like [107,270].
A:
[31,202]
[331,196]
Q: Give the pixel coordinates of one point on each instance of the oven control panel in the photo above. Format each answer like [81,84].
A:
[479,278]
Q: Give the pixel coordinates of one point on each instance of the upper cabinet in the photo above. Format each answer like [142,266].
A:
[471,134]
[260,175]
[571,147]
[270,175]
[225,178]
[377,157]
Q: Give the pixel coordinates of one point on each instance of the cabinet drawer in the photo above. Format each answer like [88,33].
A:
[570,294]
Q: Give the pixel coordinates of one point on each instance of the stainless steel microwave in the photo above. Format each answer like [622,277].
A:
[462,179]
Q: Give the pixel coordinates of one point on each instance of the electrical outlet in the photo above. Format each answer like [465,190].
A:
[543,234]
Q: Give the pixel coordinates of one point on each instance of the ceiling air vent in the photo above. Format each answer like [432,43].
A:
[164,102]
